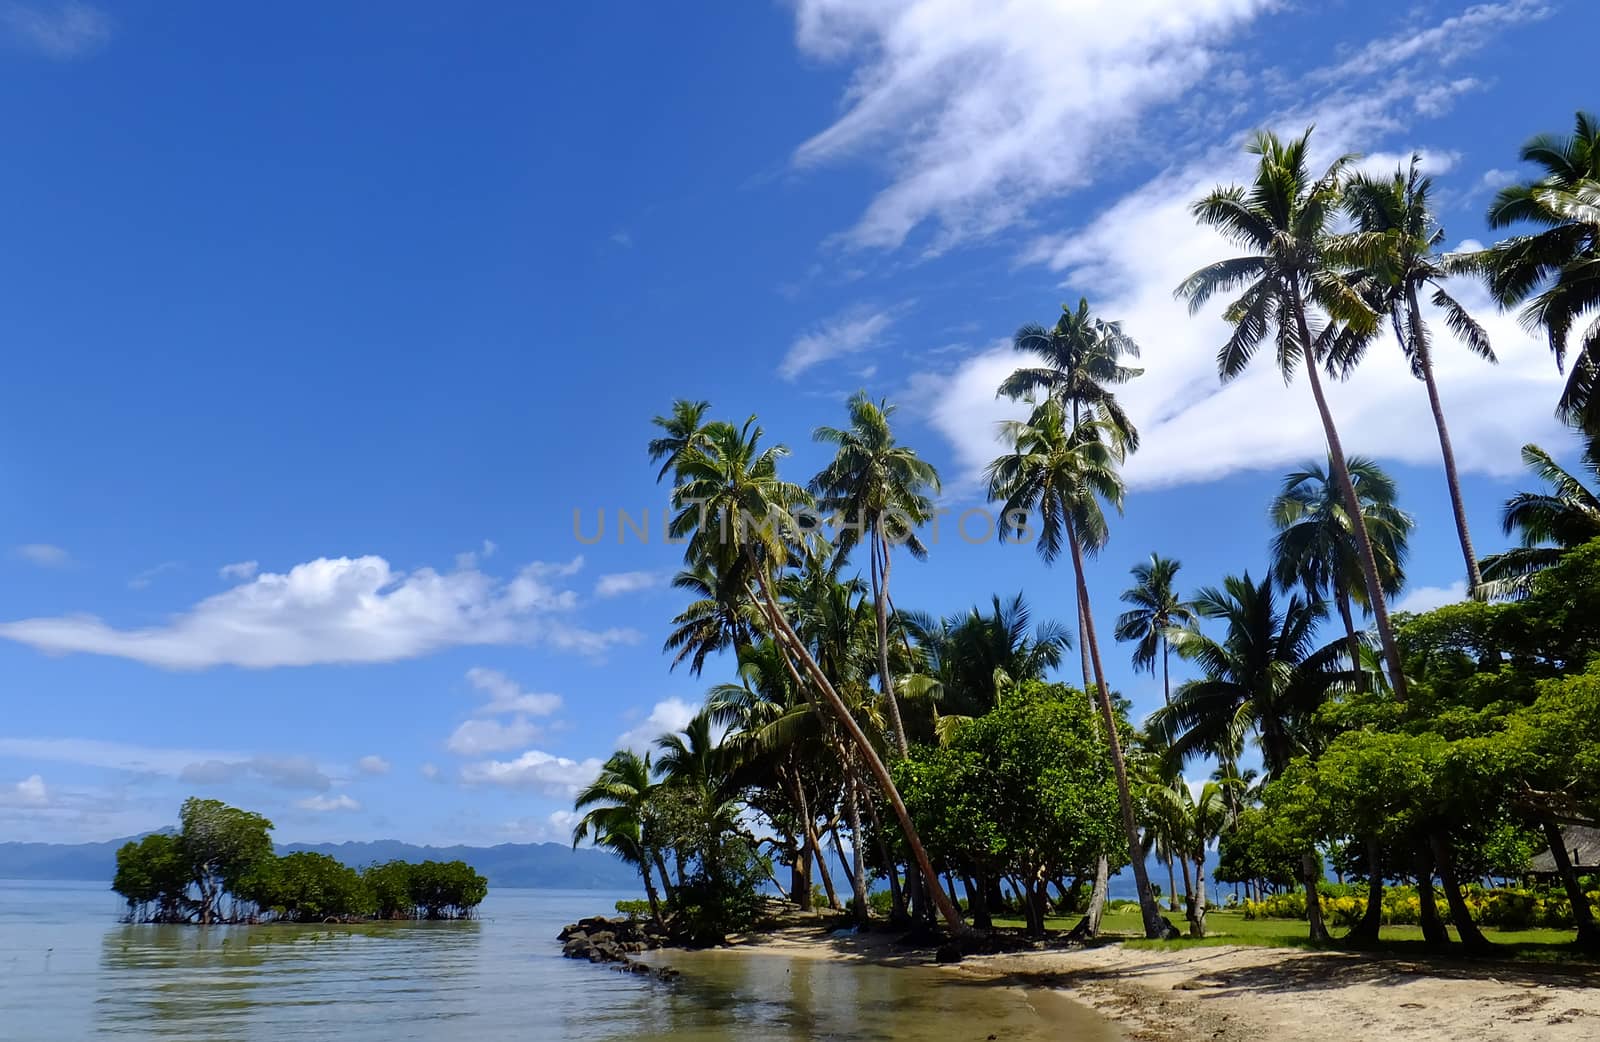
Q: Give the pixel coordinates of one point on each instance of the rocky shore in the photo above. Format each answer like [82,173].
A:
[616,942]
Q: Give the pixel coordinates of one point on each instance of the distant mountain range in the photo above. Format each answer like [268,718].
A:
[552,866]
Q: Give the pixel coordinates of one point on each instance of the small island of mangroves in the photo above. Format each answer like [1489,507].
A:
[219,867]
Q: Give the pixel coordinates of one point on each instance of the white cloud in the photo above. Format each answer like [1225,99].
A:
[428,771]
[120,756]
[29,792]
[667,716]
[323,804]
[556,827]
[507,696]
[1494,178]
[373,765]
[487,735]
[143,580]
[846,334]
[56,30]
[45,555]
[549,774]
[982,108]
[619,583]
[1442,43]
[1193,428]
[243,571]
[1427,598]
[339,610]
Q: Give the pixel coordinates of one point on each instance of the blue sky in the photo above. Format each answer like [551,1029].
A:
[319,328]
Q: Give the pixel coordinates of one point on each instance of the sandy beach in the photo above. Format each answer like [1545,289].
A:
[1285,995]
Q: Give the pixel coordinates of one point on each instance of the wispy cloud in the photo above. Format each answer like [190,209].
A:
[849,333]
[143,580]
[45,555]
[619,583]
[373,765]
[1427,598]
[242,571]
[340,610]
[61,30]
[296,772]
[324,804]
[507,696]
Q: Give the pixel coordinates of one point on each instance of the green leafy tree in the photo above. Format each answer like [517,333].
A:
[220,845]
[152,872]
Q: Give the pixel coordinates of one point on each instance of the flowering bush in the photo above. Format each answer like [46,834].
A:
[1504,908]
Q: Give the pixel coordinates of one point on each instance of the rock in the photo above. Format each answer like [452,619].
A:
[1168,931]
[948,953]
[578,947]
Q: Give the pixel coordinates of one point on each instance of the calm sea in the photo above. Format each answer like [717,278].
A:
[70,972]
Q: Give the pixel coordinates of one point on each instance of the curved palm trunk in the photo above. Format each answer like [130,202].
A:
[1352,505]
[1153,923]
[880,773]
[879,568]
[1425,364]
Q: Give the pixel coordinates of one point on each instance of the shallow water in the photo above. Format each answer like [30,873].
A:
[69,971]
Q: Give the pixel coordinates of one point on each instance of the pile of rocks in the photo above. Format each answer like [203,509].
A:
[615,941]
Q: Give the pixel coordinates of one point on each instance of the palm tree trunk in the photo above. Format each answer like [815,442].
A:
[1198,922]
[1425,364]
[1582,914]
[818,858]
[1188,887]
[1172,882]
[1341,597]
[1147,907]
[858,870]
[1352,505]
[1166,672]
[879,568]
[880,773]
[1310,875]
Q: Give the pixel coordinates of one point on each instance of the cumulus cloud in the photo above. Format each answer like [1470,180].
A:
[323,804]
[373,765]
[1427,598]
[618,584]
[295,772]
[242,571]
[56,30]
[672,714]
[507,696]
[541,771]
[982,109]
[849,333]
[487,735]
[45,555]
[29,792]
[339,610]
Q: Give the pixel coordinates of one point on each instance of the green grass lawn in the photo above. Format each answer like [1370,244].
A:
[1230,927]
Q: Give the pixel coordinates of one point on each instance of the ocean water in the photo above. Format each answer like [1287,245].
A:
[70,972]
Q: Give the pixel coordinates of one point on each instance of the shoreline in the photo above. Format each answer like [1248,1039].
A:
[1234,993]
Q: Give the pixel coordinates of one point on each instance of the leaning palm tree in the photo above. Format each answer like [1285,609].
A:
[1555,271]
[733,510]
[617,816]
[1394,214]
[1063,473]
[1156,609]
[1288,282]
[1548,524]
[1316,548]
[881,491]
[1268,674]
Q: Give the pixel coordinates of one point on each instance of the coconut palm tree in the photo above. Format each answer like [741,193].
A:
[734,510]
[1555,272]
[1063,473]
[966,656]
[881,491]
[1289,281]
[618,817]
[719,618]
[1316,547]
[1268,674]
[681,430]
[1155,609]
[1395,214]
[1547,524]
[1078,361]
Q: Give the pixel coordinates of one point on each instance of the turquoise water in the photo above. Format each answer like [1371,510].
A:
[70,972]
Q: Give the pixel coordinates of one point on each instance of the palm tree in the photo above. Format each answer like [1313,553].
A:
[1191,823]
[1156,609]
[1268,674]
[1548,524]
[1063,473]
[618,817]
[881,490]
[967,657]
[1284,220]
[1395,213]
[735,511]
[680,431]
[1078,360]
[720,617]
[1316,547]
[1555,272]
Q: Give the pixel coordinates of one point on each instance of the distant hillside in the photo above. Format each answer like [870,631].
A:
[553,866]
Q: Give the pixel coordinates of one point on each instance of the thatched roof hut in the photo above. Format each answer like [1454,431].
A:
[1583,847]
